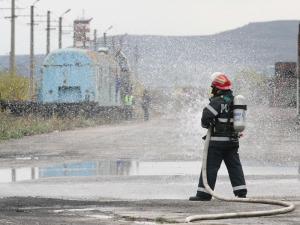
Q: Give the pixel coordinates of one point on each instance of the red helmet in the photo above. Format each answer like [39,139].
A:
[221,82]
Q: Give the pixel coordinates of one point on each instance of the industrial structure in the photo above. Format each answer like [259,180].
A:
[82,33]
[284,85]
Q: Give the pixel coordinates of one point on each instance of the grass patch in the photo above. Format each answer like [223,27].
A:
[13,87]
[12,127]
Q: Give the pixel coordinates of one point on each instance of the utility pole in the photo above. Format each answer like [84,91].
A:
[12,53]
[113,43]
[60,25]
[48,33]
[95,40]
[60,32]
[136,60]
[104,39]
[104,36]
[84,40]
[74,35]
[298,76]
[12,67]
[31,85]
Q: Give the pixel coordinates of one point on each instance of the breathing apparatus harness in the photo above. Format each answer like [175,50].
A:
[236,117]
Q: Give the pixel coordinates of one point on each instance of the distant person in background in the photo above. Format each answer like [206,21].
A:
[146,101]
[128,101]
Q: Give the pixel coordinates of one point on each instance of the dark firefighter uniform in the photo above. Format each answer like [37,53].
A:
[223,145]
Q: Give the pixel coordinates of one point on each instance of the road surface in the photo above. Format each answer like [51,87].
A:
[142,172]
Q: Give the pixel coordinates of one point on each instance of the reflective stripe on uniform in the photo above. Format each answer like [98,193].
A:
[241,187]
[220,139]
[212,110]
[202,189]
[224,120]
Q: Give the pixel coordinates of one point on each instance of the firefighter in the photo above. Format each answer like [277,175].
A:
[146,101]
[224,142]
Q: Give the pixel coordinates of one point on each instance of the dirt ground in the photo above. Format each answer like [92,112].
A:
[271,145]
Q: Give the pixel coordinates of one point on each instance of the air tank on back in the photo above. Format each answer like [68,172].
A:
[239,113]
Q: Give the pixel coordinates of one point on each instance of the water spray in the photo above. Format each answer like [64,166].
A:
[288,207]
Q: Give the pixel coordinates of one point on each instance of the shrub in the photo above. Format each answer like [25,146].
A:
[13,87]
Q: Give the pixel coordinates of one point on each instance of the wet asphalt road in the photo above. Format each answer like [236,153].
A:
[137,161]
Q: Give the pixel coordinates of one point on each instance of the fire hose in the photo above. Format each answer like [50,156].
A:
[288,207]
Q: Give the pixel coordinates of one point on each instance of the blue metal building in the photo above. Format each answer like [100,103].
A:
[78,75]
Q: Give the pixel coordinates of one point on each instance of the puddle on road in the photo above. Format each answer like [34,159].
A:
[127,168]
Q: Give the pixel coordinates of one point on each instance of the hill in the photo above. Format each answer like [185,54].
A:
[188,60]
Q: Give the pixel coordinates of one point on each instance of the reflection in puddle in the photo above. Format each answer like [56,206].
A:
[127,168]
[104,168]
[18,174]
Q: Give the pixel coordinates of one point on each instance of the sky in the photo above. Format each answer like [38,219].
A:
[153,17]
